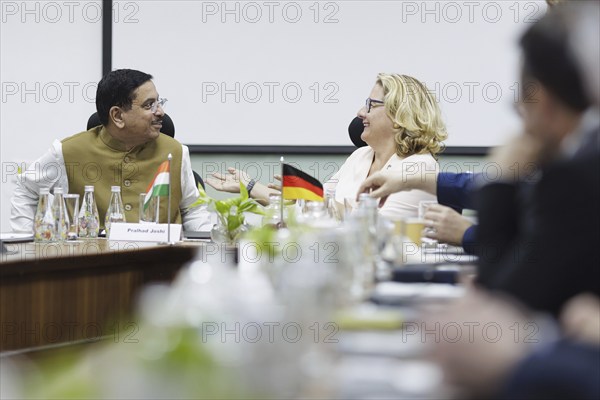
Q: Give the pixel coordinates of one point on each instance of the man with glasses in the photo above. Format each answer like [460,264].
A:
[126,150]
[539,241]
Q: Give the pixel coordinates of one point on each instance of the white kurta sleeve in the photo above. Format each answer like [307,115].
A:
[49,172]
[196,218]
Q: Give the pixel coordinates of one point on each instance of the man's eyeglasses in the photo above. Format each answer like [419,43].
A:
[153,107]
[369,103]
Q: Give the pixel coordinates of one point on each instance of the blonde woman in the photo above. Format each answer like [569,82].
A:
[404,131]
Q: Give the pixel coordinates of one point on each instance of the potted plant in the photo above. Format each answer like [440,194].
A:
[231,222]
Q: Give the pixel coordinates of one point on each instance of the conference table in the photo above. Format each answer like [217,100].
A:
[53,293]
[74,293]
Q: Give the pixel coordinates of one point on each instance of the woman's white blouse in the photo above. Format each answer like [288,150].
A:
[403,204]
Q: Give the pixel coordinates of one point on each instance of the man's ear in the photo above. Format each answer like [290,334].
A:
[115,114]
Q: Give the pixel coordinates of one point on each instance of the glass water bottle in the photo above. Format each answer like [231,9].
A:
[44,225]
[60,215]
[272,216]
[330,204]
[116,211]
[89,221]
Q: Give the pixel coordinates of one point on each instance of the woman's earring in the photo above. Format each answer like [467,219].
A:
[396,126]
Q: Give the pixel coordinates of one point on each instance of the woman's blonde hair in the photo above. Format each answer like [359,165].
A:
[415,113]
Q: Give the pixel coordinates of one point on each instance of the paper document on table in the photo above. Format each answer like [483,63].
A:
[394,293]
[447,249]
[443,257]
[381,343]
[11,237]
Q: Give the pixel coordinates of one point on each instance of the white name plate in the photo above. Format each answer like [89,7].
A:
[144,232]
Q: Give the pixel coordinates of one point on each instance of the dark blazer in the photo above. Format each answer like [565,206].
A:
[455,190]
[564,370]
[547,251]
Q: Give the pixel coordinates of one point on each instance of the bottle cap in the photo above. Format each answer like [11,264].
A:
[58,190]
[115,188]
[44,191]
[89,188]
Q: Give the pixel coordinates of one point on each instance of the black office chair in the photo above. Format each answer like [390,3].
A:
[355,129]
[168,128]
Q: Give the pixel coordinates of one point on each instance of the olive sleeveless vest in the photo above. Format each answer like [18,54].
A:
[95,158]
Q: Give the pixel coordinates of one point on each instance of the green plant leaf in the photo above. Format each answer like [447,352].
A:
[243,192]
[230,211]
[203,198]
[221,207]
[251,206]
[234,222]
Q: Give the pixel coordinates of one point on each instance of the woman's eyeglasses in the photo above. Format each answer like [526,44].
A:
[369,103]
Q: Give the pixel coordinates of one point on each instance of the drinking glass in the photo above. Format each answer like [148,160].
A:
[427,244]
[349,206]
[413,229]
[150,214]
[72,206]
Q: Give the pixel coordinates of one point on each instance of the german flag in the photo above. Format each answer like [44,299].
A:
[299,185]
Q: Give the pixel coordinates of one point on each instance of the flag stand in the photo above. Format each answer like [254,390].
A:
[281,222]
[169,241]
[169,158]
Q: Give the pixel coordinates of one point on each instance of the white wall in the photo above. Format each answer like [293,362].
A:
[217,62]
[50,65]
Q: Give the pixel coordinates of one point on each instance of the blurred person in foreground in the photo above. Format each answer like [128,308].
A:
[538,223]
[525,362]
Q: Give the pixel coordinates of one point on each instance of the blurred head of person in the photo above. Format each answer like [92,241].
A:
[553,96]
[401,114]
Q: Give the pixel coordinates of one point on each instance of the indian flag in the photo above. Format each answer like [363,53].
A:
[159,185]
[297,184]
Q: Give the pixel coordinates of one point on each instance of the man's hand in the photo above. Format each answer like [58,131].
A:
[382,184]
[580,318]
[445,225]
